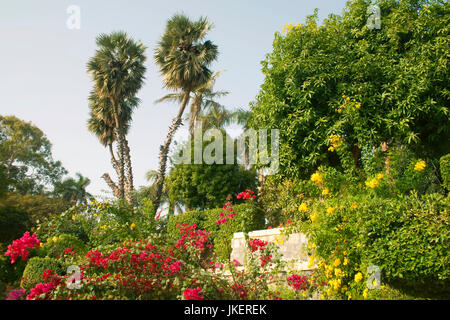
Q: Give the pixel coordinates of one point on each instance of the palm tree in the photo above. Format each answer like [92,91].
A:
[73,190]
[216,117]
[183,58]
[117,69]
[203,98]
[242,118]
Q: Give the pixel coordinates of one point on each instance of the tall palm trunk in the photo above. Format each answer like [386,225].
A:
[121,152]
[164,150]
[193,119]
[129,173]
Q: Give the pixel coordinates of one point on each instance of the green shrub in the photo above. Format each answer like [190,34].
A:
[445,170]
[13,223]
[65,241]
[406,237]
[249,218]
[35,268]
[10,273]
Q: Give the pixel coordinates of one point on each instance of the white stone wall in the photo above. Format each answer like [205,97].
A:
[292,247]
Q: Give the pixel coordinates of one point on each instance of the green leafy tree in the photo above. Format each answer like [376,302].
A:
[341,88]
[183,57]
[26,161]
[206,186]
[117,70]
[74,191]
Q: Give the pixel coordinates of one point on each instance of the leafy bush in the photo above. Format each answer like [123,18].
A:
[406,237]
[101,223]
[13,223]
[35,268]
[445,170]
[10,273]
[59,246]
[249,217]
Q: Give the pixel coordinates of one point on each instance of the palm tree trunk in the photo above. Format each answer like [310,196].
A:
[193,119]
[120,148]
[112,185]
[164,150]
[129,173]
[121,165]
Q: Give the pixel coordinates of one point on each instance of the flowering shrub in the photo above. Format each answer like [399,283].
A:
[35,270]
[192,294]
[16,294]
[20,248]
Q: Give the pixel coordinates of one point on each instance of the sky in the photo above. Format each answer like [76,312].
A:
[43,67]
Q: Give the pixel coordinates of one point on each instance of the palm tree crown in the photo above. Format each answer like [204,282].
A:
[183,56]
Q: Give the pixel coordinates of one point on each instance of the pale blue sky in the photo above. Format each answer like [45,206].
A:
[44,79]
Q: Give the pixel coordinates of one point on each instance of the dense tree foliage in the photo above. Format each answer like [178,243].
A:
[205,186]
[343,84]
[26,161]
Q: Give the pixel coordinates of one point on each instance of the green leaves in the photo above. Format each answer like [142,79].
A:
[395,74]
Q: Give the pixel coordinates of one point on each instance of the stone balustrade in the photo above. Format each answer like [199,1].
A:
[292,247]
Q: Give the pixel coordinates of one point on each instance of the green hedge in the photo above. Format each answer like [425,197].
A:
[445,170]
[249,218]
[407,237]
[35,268]
[56,249]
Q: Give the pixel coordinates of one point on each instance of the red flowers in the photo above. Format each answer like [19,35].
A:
[265,260]
[240,290]
[193,237]
[247,194]
[20,247]
[257,244]
[45,288]
[228,207]
[192,294]
[298,282]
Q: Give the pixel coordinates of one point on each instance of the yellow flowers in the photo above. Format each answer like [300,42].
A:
[358,277]
[311,261]
[337,272]
[325,191]
[337,262]
[336,141]
[328,271]
[354,206]
[345,262]
[279,240]
[132,226]
[41,245]
[358,106]
[316,178]
[375,182]
[331,210]
[289,27]
[103,227]
[365,293]
[335,283]
[55,239]
[303,207]
[420,165]
[313,217]
[372,183]
[331,149]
